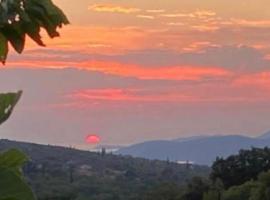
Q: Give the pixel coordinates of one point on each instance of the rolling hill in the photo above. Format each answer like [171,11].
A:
[66,173]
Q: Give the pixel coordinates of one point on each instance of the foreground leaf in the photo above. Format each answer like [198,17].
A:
[7,104]
[13,160]
[13,187]
[21,18]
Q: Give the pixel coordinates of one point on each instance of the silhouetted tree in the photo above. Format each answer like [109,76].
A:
[196,189]
[238,169]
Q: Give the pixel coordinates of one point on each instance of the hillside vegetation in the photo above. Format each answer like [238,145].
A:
[66,173]
[58,173]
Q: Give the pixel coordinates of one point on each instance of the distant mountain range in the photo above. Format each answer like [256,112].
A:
[199,149]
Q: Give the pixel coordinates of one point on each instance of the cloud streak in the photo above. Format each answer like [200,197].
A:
[140,72]
[146,16]
[202,14]
[113,8]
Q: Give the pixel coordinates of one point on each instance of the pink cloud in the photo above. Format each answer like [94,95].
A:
[128,70]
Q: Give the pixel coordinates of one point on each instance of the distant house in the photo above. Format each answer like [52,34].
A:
[180,162]
[187,163]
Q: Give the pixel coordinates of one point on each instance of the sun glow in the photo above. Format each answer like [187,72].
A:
[92,139]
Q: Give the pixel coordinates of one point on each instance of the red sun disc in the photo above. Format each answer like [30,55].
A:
[92,139]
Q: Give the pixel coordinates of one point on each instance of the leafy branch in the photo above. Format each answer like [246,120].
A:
[21,18]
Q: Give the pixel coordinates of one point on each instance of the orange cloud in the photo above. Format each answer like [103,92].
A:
[108,40]
[113,8]
[128,70]
[199,93]
[163,73]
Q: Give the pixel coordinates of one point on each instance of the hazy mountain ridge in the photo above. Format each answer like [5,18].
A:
[184,139]
[201,149]
[265,135]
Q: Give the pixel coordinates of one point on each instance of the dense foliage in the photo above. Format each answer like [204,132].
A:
[21,18]
[250,190]
[237,169]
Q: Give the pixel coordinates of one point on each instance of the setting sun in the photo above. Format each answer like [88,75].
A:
[92,139]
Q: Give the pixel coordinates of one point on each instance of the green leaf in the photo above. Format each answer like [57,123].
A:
[12,184]
[7,104]
[13,187]
[32,29]
[12,159]
[3,48]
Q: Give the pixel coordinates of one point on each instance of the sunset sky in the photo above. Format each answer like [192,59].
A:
[130,71]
